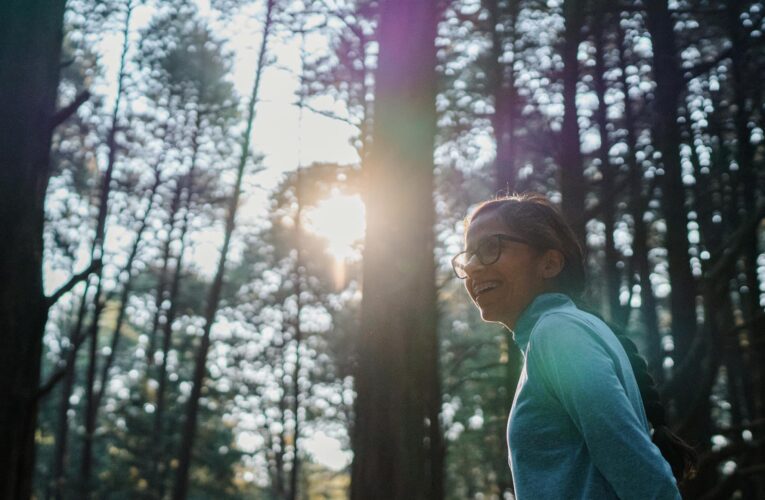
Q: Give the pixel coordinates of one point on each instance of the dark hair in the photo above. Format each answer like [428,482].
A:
[533,217]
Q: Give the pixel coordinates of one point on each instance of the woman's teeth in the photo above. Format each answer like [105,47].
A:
[485,287]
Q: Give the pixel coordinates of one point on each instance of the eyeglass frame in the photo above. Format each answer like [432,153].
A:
[500,237]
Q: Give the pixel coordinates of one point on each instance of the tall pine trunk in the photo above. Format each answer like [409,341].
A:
[396,436]
[158,438]
[93,403]
[638,205]
[570,153]
[98,301]
[30,49]
[180,491]
[502,19]
[616,312]
[669,86]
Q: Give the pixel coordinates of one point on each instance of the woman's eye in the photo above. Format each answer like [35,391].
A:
[488,249]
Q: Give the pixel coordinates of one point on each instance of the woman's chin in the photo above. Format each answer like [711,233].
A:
[488,315]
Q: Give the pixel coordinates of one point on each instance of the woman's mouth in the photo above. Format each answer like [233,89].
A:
[484,287]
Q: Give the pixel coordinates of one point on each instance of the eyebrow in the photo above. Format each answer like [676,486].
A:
[482,240]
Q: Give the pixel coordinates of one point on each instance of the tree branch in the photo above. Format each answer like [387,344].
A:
[56,376]
[52,299]
[68,110]
[49,384]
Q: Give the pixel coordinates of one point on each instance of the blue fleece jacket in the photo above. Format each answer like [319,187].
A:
[577,428]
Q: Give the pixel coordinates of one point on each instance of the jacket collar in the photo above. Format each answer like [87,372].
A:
[529,317]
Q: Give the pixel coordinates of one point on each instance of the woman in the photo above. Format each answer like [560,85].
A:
[578,426]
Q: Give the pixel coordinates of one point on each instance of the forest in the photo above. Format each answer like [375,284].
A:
[228,229]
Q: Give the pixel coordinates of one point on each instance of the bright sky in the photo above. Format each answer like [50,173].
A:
[280,134]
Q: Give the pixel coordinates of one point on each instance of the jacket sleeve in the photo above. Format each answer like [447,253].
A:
[575,366]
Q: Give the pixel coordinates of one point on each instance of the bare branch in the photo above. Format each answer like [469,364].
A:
[49,384]
[52,299]
[328,114]
[56,376]
[67,111]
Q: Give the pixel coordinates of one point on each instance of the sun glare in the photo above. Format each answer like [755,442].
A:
[339,220]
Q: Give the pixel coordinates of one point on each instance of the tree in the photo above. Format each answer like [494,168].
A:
[180,489]
[30,48]
[396,435]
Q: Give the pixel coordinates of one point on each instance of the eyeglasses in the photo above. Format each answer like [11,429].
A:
[488,252]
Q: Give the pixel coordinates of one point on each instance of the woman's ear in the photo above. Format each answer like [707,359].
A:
[551,263]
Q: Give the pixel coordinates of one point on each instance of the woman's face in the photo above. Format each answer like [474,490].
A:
[502,290]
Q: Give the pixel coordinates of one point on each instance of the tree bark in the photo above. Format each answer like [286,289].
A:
[504,15]
[608,173]
[570,158]
[669,86]
[398,451]
[637,208]
[30,49]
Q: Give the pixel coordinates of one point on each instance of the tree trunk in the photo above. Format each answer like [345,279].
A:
[30,48]
[570,154]
[608,196]
[125,293]
[189,427]
[162,284]
[58,478]
[98,243]
[158,438]
[637,208]
[95,396]
[504,92]
[669,86]
[396,435]
[298,335]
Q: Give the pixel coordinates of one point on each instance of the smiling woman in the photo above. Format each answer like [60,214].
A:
[580,423]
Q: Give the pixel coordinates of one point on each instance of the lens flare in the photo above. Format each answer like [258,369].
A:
[339,220]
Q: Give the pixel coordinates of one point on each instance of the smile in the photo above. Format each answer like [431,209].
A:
[483,287]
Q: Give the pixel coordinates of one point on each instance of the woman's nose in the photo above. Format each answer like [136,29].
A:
[472,265]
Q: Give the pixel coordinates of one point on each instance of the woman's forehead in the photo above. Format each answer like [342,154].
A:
[484,225]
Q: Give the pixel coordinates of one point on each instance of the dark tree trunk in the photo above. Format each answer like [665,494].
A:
[213,299]
[742,98]
[298,336]
[95,395]
[98,244]
[398,450]
[637,208]
[570,154]
[749,381]
[158,439]
[669,86]
[279,487]
[126,289]
[161,291]
[502,19]
[30,49]
[608,172]
[76,337]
